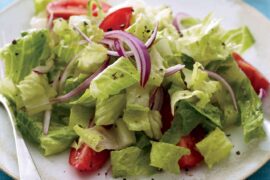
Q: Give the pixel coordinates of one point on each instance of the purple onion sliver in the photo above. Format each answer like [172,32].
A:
[174,69]
[148,44]
[226,84]
[177,20]
[119,47]
[82,87]
[50,21]
[141,54]
[46,121]
[152,38]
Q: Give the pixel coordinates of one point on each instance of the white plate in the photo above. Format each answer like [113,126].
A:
[234,13]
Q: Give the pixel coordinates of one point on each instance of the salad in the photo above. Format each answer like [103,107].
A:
[146,89]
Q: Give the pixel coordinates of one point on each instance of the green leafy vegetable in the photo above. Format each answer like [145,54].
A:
[215,147]
[137,120]
[85,100]
[115,78]
[109,110]
[155,125]
[131,161]
[166,156]
[80,115]
[40,5]
[36,92]
[32,49]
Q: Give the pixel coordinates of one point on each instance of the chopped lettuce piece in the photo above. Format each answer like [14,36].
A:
[58,140]
[204,41]
[157,68]
[137,120]
[114,78]
[250,106]
[109,110]
[166,156]
[91,57]
[10,91]
[73,82]
[142,27]
[241,36]
[189,21]
[80,115]
[99,138]
[35,93]
[85,100]
[142,141]
[138,98]
[32,49]
[155,124]
[215,147]
[131,161]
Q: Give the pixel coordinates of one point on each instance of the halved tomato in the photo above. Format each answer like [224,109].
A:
[86,159]
[189,141]
[117,20]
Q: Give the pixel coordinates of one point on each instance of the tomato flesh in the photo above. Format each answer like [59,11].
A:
[86,159]
[189,141]
[258,81]
[118,20]
[66,8]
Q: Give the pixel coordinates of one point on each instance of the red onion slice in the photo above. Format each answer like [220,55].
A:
[148,44]
[226,84]
[82,87]
[141,54]
[174,69]
[119,48]
[177,20]
[156,99]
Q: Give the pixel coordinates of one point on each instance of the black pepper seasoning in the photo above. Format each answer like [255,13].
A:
[110,29]
[14,42]
[238,153]
[16,54]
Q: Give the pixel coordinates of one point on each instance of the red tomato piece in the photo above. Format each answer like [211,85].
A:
[86,159]
[258,81]
[66,8]
[166,113]
[189,141]
[117,20]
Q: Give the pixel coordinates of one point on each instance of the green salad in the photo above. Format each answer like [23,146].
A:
[147,89]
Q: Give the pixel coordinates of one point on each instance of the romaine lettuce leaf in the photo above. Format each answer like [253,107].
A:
[138,98]
[250,106]
[32,49]
[241,36]
[40,5]
[91,57]
[215,147]
[99,138]
[109,110]
[116,77]
[35,92]
[204,41]
[80,115]
[166,156]
[59,138]
[131,161]
[10,91]
[155,125]
[137,120]
[85,100]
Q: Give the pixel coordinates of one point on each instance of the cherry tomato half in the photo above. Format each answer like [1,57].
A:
[189,141]
[117,20]
[66,8]
[258,81]
[86,159]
